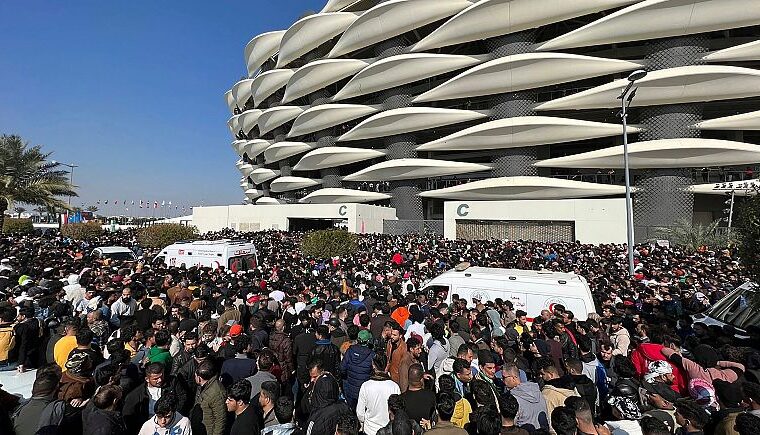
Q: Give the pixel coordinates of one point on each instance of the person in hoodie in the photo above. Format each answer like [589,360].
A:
[593,369]
[532,412]
[166,421]
[585,386]
[556,388]
[74,291]
[325,406]
[620,337]
[356,367]
[706,364]
[439,347]
[102,415]
[160,351]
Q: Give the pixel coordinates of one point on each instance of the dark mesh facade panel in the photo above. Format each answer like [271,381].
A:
[330,177]
[675,52]
[511,44]
[515,161]
[670,122]
[400,147]
[406,200]
[662,199]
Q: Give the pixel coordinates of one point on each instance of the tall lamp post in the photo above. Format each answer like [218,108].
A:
[71,174]
[625,99]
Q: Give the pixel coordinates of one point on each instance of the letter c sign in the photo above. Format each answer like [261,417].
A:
[463,210]
[343,210]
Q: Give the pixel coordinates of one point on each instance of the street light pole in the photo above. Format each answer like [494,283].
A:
[625,98]
[71,174]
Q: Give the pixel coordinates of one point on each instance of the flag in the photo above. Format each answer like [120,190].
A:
[155,204]
[106,202]
[141,203]
[133,202]
[170,203]
[98,202]
[163,203]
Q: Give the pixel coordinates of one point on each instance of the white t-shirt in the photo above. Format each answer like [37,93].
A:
[178,426]
[372,407]
[154,394]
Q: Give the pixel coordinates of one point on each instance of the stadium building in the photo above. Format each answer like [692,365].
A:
[437,108]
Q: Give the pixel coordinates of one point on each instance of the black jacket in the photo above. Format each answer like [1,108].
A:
[587,389]
[329,354]
[303,344]
[325,408]
[135,408]
[100,422]
[28,335]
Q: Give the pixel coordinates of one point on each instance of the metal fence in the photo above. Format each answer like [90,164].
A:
[400,227]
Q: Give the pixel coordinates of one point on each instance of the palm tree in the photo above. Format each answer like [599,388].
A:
[92,209]
[18,211]
[28,177]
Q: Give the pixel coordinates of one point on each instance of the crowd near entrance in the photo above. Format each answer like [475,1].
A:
[293,344]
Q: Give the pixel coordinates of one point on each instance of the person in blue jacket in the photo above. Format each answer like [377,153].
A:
[357,367]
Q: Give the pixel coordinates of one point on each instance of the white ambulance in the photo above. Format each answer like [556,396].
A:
[234,255]
[528,290]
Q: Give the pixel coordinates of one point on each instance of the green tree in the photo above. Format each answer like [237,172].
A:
[693,236]
[92,209]
[163,235]
[28,177]
[325,244]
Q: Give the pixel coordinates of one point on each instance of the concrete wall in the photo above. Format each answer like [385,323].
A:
[596,220]
[361,218]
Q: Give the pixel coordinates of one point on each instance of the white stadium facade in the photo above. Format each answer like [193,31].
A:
[415,105]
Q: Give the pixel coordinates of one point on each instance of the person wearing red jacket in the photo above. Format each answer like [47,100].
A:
[648,352]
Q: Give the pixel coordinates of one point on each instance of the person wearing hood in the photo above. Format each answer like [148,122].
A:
[74,291]
[337,334]
[706,365]
[372,406]
[101,416]
[356,367]
[439,348]
[325,407]
[556,388]
[532,412]
[659,379]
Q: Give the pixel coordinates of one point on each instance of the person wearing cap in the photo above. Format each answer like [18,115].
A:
[356,367]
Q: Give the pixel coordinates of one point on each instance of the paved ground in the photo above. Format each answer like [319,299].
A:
[16,383]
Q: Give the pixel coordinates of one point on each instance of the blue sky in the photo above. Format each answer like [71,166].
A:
[133,91]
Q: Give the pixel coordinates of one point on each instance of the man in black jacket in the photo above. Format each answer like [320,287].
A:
[247,420]
[139,402]
[325,407]
[303,344]
[28,334]
[325,350]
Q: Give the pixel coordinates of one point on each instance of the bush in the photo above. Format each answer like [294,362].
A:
[82,231]
[163,235]
[17,226]
[329,243]
[748,226]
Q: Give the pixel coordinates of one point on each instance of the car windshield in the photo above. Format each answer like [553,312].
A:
[736,309]
[119,255]
[242,263]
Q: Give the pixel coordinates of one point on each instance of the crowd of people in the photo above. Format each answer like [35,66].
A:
[351,345]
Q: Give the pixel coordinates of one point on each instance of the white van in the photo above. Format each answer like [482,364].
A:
[114,253]
[528,290]
[234,255]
